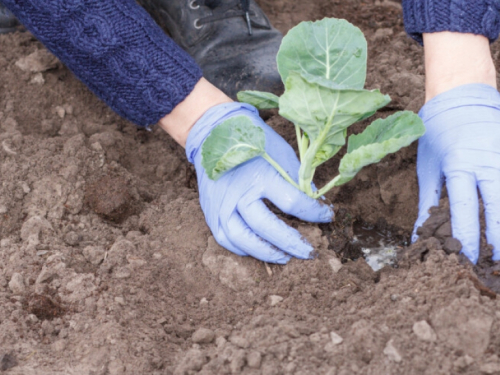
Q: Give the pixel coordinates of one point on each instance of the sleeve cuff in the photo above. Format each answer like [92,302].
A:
[481,17]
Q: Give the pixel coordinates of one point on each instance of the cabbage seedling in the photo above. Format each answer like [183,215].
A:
[323,67]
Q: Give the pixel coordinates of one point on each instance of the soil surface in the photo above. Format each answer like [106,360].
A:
[107,265]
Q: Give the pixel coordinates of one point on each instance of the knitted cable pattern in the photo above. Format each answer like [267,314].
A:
[117,50]
[480,17]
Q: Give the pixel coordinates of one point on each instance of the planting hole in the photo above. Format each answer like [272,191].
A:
[380,246]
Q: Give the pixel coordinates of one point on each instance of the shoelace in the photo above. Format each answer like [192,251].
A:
[238,8]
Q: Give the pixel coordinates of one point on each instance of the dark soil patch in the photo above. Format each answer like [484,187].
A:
[7,361]
[44,307]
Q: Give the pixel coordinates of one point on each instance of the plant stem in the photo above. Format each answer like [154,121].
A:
[307,169]
[281,171]
[300,143]
[305,143]
[305,173]
[325,189]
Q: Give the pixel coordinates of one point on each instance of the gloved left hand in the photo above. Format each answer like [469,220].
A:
[233,206]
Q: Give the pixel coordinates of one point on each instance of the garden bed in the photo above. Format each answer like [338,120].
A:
[108,267]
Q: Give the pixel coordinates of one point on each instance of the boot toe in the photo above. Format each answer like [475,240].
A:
[248,63]
[244,73]
[8,22]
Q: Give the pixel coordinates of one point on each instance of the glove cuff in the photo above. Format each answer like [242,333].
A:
[473,94]
[210,119]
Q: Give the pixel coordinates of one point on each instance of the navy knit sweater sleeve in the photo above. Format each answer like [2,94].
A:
[117,50]
[480,17]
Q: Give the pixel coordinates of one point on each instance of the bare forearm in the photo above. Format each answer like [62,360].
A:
[455,59]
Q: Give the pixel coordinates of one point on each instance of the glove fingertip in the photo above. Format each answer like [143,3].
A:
[223,241]
[284,260]
[494,240]
[326,213]
[472,255]
[278,258]
[422,217]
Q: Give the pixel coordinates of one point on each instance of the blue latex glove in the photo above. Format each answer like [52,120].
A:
[233,206]
[462,147]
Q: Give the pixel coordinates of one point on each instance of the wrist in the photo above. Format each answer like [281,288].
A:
[211,119]
[181,120]
[456,59]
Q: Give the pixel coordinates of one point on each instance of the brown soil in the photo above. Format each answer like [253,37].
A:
[107,265]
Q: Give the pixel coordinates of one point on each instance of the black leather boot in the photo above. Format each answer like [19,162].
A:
[231,40]
[8,23]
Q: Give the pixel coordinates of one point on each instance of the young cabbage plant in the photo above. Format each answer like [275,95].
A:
[323,67]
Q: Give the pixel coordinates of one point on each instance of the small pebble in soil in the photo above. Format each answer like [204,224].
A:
[220,342]
[254,359]
[94,254]
[336,338]
[424,331]
[37,79]
[32,319]
[392,353]
[60,111]
[72,238]
[16,284]
[336,264]
[274,300]
[203,336]
[239,341]
[463,362]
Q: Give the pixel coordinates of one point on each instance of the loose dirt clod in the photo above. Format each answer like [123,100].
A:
[110,198]
[39,61]
[436,230]
[16,284]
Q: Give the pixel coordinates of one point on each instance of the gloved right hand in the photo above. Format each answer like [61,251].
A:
[462,147]
[233,205]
